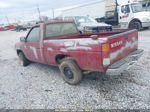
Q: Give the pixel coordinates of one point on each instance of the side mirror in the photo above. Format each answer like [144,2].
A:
[22,39]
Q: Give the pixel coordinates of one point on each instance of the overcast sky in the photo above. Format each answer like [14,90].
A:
[27,9]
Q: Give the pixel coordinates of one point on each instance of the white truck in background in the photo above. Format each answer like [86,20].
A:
[129,14]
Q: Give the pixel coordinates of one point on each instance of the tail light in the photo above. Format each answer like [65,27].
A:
[106,54]
[105,48]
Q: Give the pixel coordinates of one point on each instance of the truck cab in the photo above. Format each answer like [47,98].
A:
[128,15]
[133,16]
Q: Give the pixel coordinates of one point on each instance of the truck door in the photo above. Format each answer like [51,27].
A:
[124,15]
[32,47]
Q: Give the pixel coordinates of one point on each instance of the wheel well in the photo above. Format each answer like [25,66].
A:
[134,20]
[18,51]
[58,58]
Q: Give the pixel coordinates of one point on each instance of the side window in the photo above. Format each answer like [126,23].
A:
[34,35]
[125,9]
[122,9]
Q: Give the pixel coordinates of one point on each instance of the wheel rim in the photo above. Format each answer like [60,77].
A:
[136,26]
[68,73]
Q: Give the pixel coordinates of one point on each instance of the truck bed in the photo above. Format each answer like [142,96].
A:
[121,44]
[99,34]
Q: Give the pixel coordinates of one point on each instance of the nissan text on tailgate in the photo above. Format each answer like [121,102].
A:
[59,43]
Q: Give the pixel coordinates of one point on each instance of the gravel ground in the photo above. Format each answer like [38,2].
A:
[41,87]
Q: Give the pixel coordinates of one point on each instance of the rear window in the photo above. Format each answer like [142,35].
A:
[60,29]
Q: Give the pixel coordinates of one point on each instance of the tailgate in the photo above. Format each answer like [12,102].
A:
[121,45]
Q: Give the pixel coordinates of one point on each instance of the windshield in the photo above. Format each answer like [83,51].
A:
[137,8]
[84,19]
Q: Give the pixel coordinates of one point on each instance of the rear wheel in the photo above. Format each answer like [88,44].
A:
[71,73]
[23,60]
[136,25]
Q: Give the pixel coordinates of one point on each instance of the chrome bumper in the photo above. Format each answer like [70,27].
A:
[127,61]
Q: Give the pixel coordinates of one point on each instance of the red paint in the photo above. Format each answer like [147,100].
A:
[1,29]
[86,59]
[125,16]
[9,27]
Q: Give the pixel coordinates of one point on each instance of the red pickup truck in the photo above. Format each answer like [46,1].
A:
[59,43]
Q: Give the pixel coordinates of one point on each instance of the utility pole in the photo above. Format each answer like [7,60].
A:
[53,13]
[7,19]
[147,4]
[39,12]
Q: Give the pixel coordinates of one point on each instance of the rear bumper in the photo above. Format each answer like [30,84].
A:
[127,61]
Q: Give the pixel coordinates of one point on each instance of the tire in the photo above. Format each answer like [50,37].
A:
[135,25]
[70,71]
[23,60]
